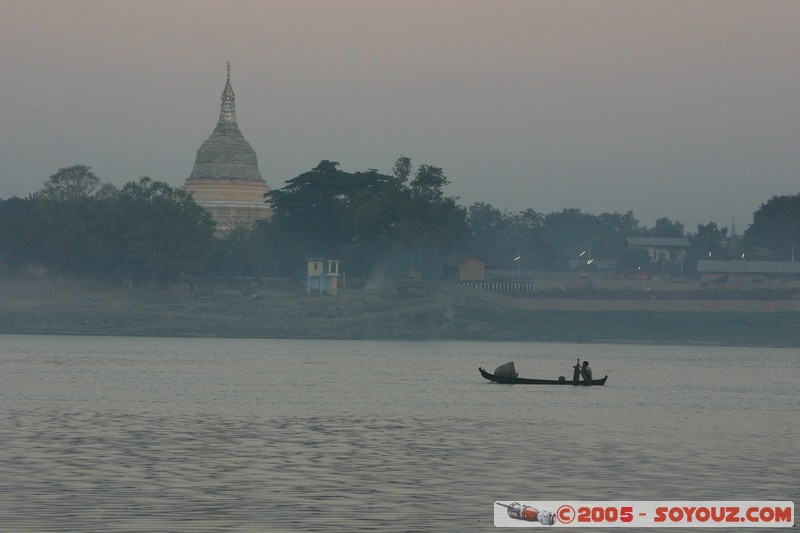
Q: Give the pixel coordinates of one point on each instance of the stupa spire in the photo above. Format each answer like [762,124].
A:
[225,179]
[227,111]
[226,154]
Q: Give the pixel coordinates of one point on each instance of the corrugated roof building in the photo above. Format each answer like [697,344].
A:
[748,271]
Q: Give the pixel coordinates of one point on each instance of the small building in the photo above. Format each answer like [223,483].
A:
[670,250]
[748,271]
[477,273]
[470,269]
[322,275]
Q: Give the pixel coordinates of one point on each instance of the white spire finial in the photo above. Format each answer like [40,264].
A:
[227,111]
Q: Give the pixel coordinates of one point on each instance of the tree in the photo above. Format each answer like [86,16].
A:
[160,229]
[240,252]
[18,225]
[500,238]
[368,216]
[70,184]
[710,241]
[624,224]
[775,231]
[428,183]
[402,169]
[490,233]
[431,224]
[314,206]
[569,233]
[665,227]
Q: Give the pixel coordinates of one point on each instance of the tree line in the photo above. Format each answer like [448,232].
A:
[376,224]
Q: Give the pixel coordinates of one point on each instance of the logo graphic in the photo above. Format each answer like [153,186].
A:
[529,514]
[646,514]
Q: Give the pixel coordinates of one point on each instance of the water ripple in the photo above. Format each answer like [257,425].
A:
[108,470]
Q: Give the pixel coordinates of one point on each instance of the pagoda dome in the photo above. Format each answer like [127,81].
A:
[225,179]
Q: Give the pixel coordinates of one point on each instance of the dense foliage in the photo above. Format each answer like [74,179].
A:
[376,224]
[145,230]
[775,232]
[369,220]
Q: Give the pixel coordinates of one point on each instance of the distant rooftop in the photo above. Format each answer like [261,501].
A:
[671,242]
[748,267]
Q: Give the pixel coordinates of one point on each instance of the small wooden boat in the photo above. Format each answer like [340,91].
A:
[526,381]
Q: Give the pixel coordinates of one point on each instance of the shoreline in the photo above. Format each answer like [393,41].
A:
[698,344]
[80,307]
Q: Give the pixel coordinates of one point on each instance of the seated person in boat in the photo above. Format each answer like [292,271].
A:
[586,372]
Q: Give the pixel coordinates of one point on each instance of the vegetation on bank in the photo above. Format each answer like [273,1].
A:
[378,225]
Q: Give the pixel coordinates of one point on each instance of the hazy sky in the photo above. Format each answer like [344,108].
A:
[684,109]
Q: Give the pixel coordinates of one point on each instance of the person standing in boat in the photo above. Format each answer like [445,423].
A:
[586,372]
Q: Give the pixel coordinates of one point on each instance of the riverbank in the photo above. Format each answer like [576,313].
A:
[78,307]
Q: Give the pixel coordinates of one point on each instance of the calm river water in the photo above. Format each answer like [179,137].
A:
[153,434]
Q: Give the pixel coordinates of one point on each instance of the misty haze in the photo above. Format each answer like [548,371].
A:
[419,265]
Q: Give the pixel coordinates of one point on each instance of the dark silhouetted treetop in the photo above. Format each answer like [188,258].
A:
[70,184]
[775,231]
